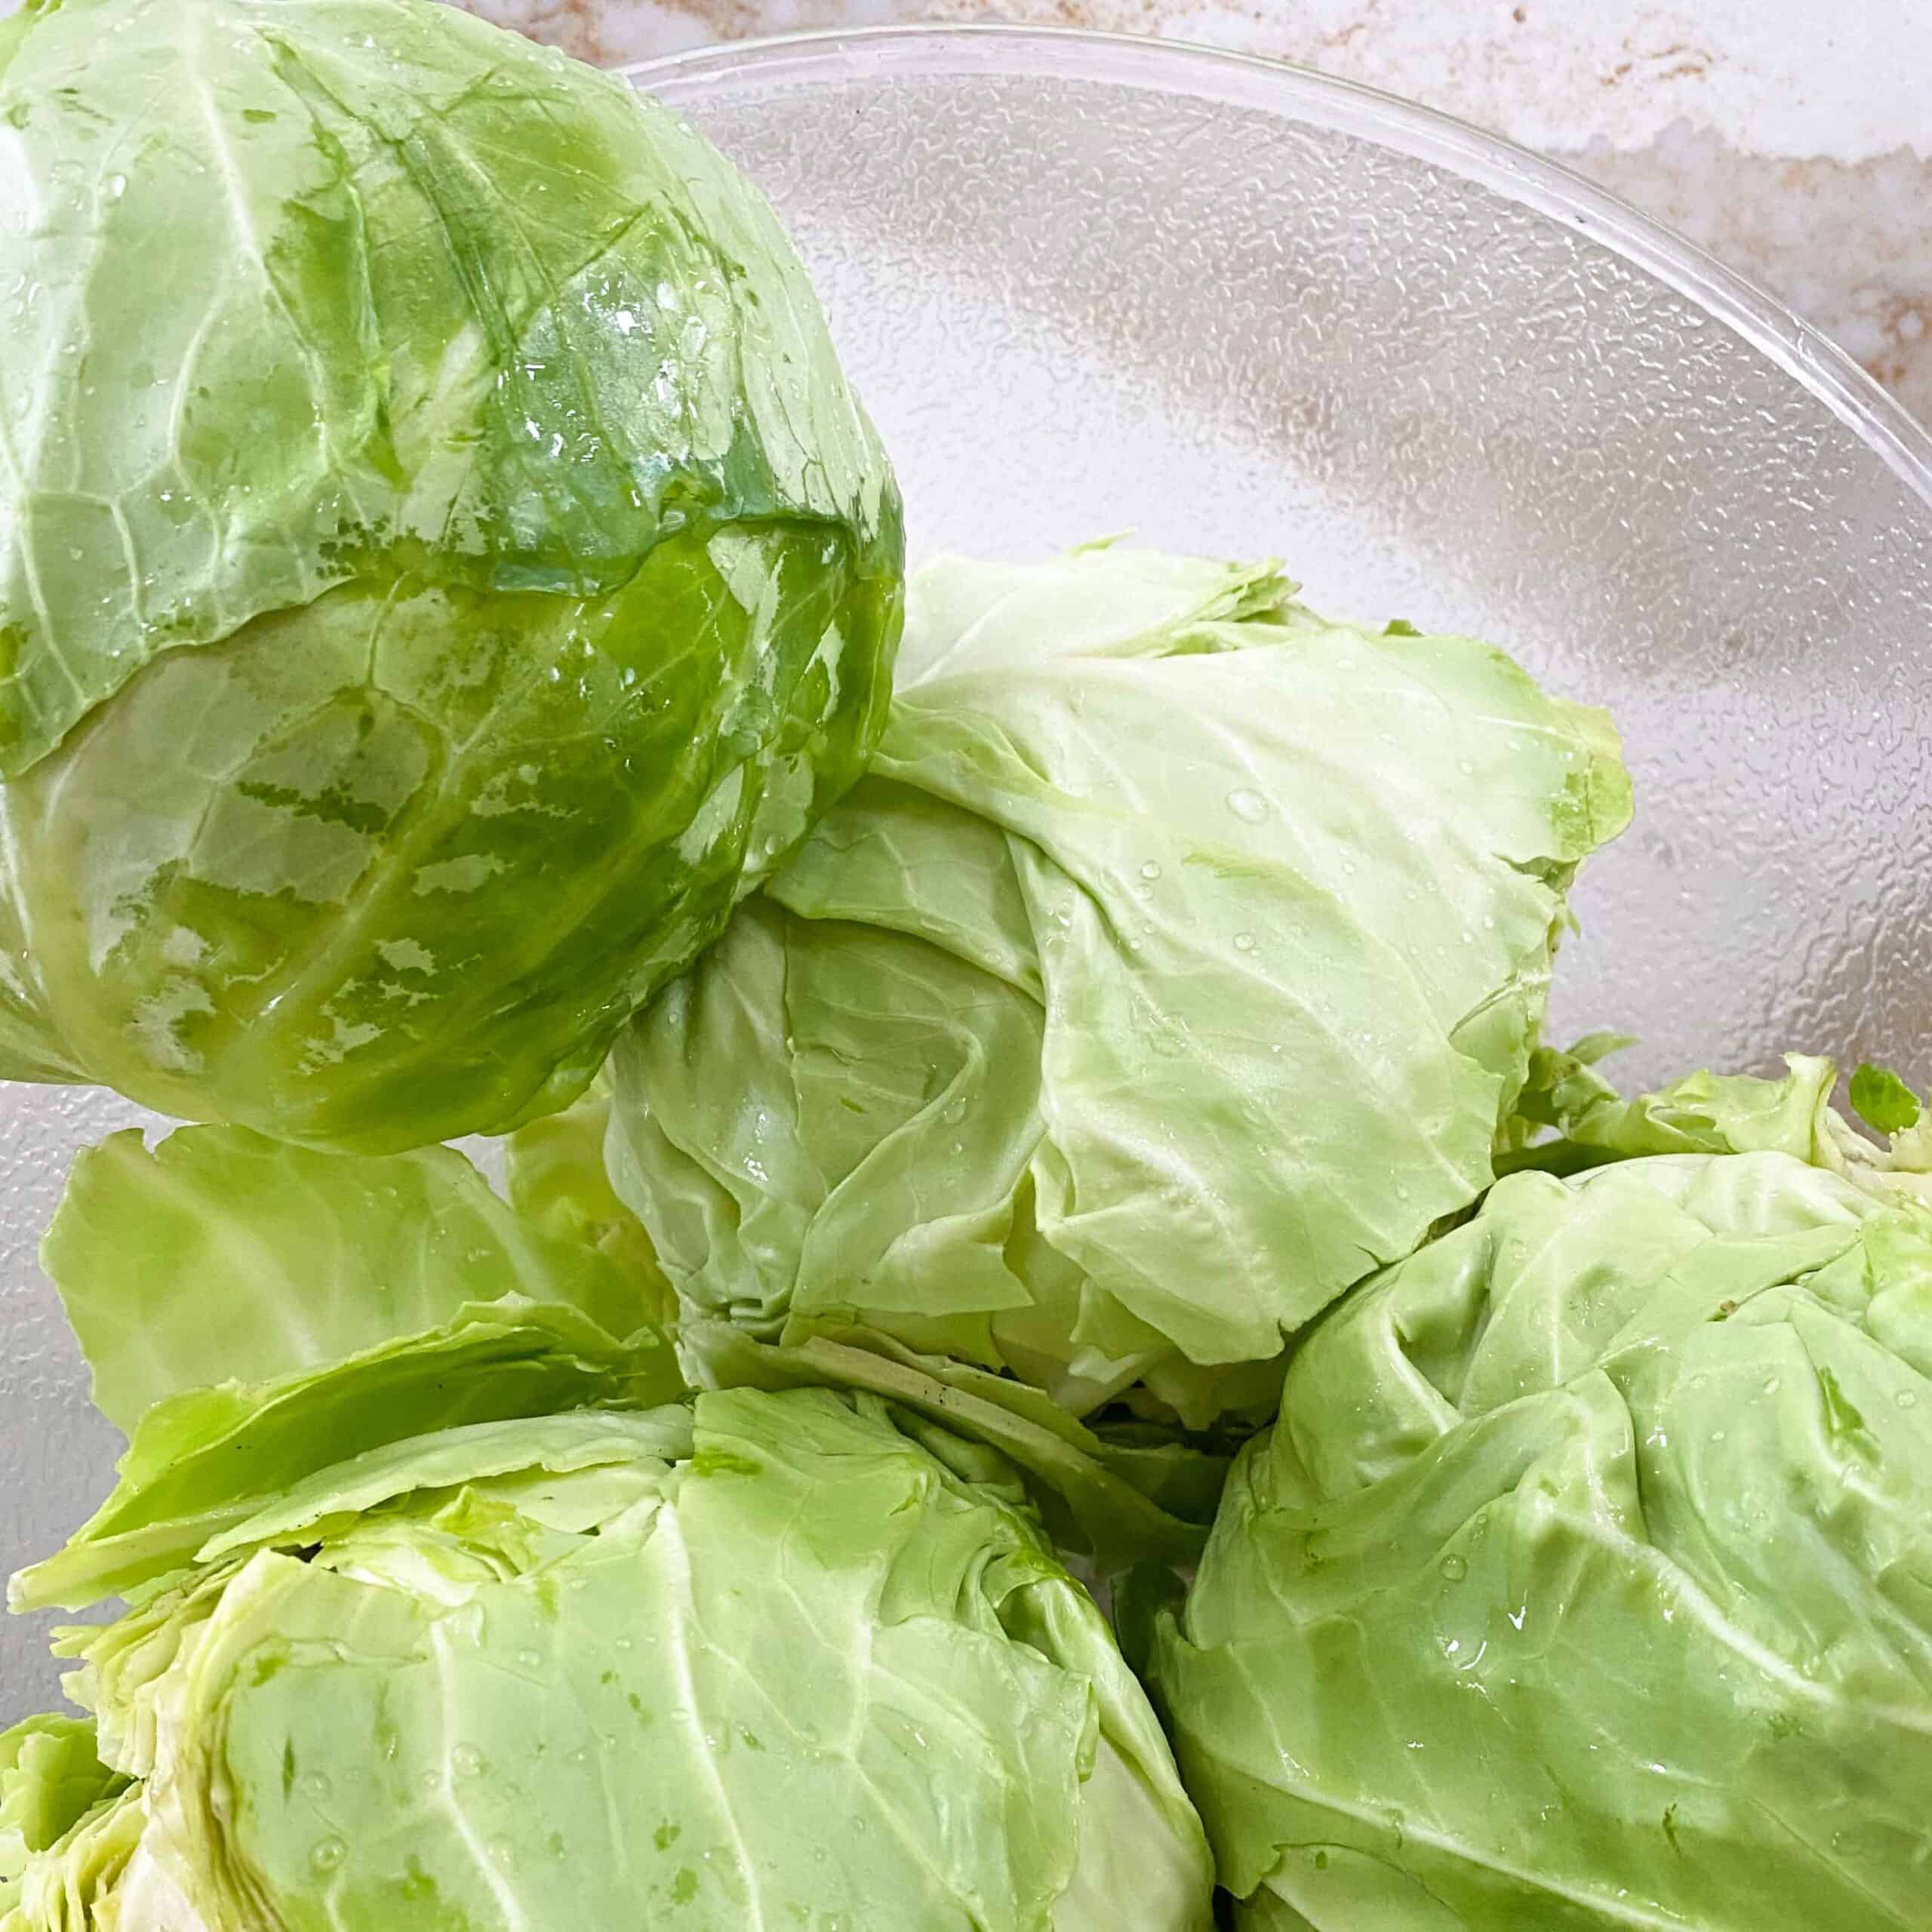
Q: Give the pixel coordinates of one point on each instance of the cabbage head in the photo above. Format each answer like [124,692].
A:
[446,1607]
[1586,1579]
[442,565]
[772,1659]
[1172,968]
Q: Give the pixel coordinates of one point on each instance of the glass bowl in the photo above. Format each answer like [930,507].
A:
[1090,285]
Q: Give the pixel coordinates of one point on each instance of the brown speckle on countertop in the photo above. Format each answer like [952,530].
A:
[1846,244]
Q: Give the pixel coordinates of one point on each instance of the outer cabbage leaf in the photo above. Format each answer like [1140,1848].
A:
[572,1694]
[201,1462]
[1586,1579]
[514,1493]
[218,1256]
[1590,1122]
[966,613]
[1115,1493]
[621,1457]
[556,1178]
[1153,987]
[254,1312]
[1882,1099]
[441,566]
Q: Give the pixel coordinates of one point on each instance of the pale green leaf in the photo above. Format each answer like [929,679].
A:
[204,1462]
[218,1256]
[556,1179]
[1177,965]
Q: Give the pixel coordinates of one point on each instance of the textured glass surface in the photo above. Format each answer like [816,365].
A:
[1086,286]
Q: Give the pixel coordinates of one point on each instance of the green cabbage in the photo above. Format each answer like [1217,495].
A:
[441,566]
[50,1780]
[253,1311]
[1570,1117]
[773,1661]
[1172,968]
[555,1176]
[305,1258]
[1586,1579]
[1118,1493]
[456,1612]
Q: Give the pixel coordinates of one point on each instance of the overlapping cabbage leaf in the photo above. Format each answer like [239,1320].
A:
[770,1661]
[1119,1492]
[1171,969]
[555,1176]
[1586,1579]
[442,565]
[98,1876]
[50,1780]
[1115,1490]
[219,1256]
[1571,1117]
[253,1311]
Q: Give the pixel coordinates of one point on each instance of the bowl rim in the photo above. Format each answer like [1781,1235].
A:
[1303,94]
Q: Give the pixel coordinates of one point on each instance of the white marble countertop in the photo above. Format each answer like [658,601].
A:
[1795,142]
